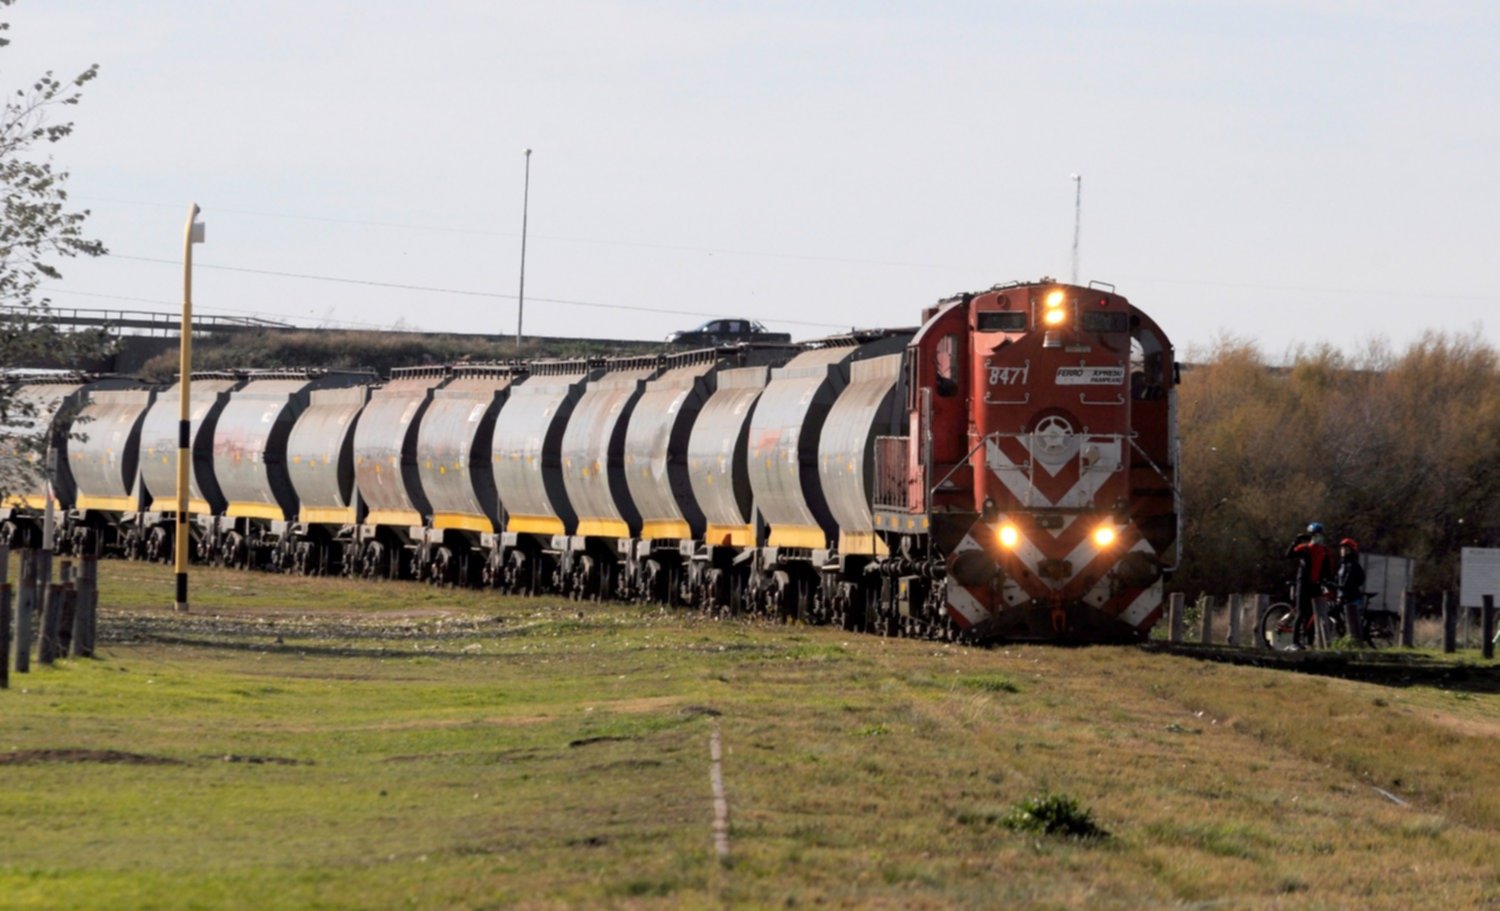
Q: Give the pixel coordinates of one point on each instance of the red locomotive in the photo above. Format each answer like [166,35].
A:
[1039,471]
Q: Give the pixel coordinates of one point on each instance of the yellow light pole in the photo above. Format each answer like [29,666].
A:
[192,234]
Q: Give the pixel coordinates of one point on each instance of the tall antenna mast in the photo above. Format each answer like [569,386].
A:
[1077,219]
[525,206]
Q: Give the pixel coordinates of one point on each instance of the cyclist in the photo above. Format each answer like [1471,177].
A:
[1312,573]
[1349,582]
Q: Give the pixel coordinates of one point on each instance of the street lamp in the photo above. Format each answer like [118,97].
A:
[521,297]
[192,234]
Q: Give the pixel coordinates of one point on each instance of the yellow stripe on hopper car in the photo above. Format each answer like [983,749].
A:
[408,517]
[535,525]
[666,528]
[326,515]
[169,504]
[464,521]
[603,528]
[108,504]
[254,511]
[862,542]
[730,535]
[809,536]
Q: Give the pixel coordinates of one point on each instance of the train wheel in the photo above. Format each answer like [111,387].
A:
[440,571]
[158,546]
[669,586]
[374,562]
[782,596]
[302,558]
[654,583]
[130,543]
[874,614]
[233,551]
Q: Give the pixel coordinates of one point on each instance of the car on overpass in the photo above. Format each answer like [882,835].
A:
[727,331]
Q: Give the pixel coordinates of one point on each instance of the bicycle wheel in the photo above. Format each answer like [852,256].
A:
[1382,629]
[1276,627]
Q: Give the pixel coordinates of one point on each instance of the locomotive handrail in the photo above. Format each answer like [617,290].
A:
[956,466]
[1176,497]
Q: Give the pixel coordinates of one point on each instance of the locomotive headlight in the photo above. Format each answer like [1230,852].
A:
[1104,536]
[1054,313]
[1009,536]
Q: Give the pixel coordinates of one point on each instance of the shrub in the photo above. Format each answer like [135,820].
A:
[1054,814]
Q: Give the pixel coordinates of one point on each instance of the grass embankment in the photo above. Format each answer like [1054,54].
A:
[312,743]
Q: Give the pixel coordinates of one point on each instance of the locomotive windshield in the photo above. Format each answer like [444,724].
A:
[1001,321]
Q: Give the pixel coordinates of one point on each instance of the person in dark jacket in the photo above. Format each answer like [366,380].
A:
[1313,572]
[1349,583]
[1350,579]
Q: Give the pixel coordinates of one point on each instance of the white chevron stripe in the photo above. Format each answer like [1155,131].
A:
[1107,460]
[1013,476]
[1142,606]
[963,602]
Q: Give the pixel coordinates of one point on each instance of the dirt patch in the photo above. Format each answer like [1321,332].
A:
[260,760]
[117,757]
[1469,727]
[585,741]
[637,706]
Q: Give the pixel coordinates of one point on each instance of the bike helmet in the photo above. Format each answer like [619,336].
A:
[1315,528]
[1349,543]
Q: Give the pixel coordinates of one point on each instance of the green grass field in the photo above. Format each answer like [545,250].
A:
[320,744]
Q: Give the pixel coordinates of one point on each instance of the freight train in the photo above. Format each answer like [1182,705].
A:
[1005,471]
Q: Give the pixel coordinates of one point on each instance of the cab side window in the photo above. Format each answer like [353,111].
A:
[1147,366]
[945,362]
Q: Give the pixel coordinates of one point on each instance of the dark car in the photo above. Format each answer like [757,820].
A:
[722,331]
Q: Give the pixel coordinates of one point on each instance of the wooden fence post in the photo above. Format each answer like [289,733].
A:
[88,569]
[1207,636]
[1352,623]
[1175,604]
[1450,625]
[1262,607]
[1408,620]
[1233,635]
[50,646]
[25,601]
[1488,627]
[91,635]
[4,636]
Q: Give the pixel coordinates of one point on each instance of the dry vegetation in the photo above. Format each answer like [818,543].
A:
[1396,450]
[310,743]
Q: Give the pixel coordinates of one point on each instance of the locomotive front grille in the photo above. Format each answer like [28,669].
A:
[1055,570]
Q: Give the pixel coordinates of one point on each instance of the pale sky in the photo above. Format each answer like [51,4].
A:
[1322,170]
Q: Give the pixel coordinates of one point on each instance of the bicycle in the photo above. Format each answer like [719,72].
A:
[1379,628]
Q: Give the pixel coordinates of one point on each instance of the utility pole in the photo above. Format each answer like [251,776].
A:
[1077,219]
[192,234]
[521,296]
